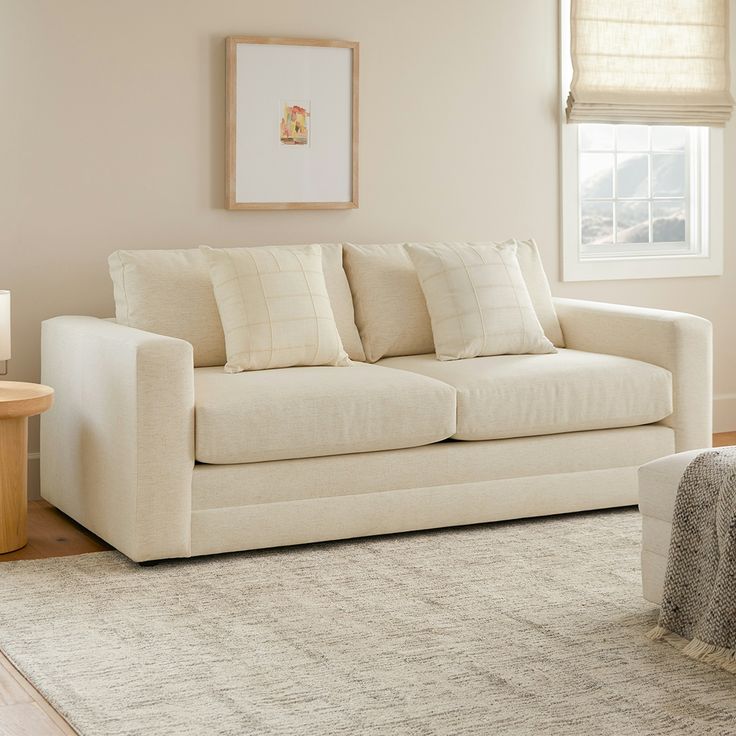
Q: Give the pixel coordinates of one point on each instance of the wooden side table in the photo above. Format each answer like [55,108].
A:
[18,401]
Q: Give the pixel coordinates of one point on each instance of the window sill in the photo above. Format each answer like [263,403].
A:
[666,267]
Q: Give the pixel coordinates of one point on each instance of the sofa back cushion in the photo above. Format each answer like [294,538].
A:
[390,309]
[169,292]
[536,281]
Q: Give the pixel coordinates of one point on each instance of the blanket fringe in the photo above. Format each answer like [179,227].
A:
[657,633]
[711,654]
[697,649]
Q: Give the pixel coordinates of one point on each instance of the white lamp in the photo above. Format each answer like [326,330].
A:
[4,325]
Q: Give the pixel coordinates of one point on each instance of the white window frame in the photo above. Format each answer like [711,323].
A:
[705,255]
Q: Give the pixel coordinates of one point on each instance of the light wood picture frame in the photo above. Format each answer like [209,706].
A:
[291,123]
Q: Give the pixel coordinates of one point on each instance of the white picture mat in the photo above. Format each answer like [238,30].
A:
[266,170]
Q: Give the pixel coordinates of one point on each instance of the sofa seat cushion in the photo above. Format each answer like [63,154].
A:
[316,410]
[505,396]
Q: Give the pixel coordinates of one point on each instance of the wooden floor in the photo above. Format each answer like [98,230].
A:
[53,534]
[23,710]
[724,439]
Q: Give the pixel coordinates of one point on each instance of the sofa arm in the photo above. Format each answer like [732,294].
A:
[117,449]
[681,343]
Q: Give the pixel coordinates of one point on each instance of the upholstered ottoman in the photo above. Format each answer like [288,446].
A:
[658,482]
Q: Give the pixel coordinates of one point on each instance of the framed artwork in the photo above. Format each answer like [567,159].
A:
[291,124]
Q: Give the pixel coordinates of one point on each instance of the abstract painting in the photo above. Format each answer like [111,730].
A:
[294,126]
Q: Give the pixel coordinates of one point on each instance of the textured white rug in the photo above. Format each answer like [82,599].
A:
[530,627]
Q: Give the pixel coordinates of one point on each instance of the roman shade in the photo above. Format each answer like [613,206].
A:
[650,62]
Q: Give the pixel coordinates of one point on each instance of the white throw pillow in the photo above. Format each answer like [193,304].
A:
[477,300]
[390,310]
[169,292]
[274,307]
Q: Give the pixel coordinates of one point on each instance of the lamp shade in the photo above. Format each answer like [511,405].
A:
[4,325]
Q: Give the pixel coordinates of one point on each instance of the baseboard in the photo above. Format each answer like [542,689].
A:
[34,476]
[724,413]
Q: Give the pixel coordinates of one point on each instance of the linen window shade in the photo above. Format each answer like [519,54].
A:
[650,62]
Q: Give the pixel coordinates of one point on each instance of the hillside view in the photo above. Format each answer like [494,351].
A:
[669,212]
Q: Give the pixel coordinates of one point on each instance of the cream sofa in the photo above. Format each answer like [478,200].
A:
[165,457]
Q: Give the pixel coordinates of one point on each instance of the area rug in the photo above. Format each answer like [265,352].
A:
[527,627]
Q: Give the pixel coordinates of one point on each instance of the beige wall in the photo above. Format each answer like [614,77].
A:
[113,118]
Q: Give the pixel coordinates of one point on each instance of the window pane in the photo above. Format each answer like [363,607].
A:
[632,222]
[596,137]
[669,221]
[632,137]
[669,138]
[596,174]
[632,175]
[638,190]
[597,222]
[668,175]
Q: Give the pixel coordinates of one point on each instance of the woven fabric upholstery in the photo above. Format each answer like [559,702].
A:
[390,309]
[274,308]
[169,292]
[477,300]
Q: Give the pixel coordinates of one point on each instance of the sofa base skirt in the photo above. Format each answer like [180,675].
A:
[322,519]
[273,504]
[451,483]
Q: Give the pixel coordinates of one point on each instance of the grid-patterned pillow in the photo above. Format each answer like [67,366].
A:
[274,308]
[477,300]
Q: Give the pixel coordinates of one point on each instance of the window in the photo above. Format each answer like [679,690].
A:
[639,189]
[639,201]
